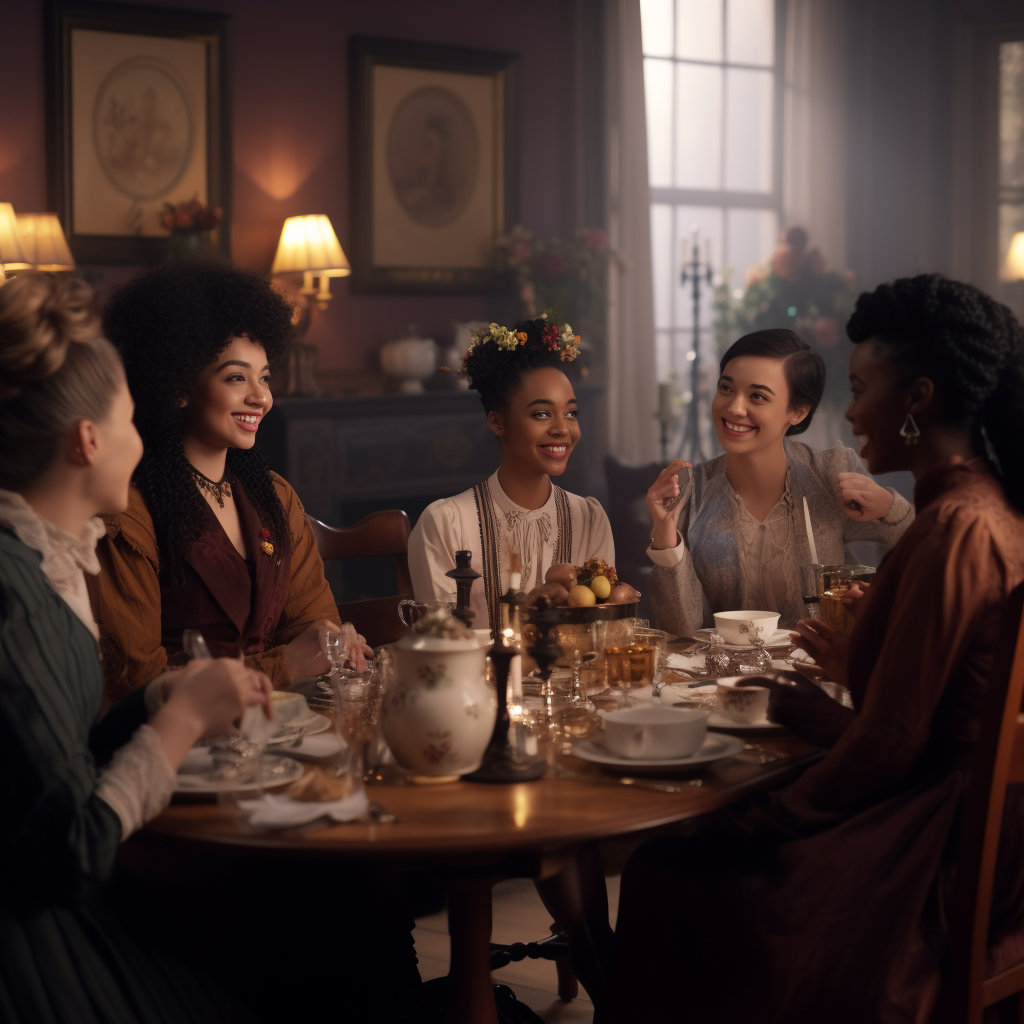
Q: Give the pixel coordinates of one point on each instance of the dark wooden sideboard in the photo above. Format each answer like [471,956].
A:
[347,457]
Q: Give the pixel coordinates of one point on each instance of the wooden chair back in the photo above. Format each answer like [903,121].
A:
[965,991]
[384,533]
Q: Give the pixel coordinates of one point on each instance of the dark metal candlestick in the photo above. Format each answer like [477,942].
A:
[692,447]
[502,762]
[464,575]
[545,650]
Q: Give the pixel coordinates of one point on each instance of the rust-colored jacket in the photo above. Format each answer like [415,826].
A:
[128,602]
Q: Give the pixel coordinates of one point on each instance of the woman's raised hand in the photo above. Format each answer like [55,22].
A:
[665,512]
[306,655]
[862,498]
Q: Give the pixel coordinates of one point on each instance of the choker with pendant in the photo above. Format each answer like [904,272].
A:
[220,489]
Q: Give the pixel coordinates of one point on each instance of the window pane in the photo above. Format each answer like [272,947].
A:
[749,240]
[1011,221]
[748,132]
[656,27]
[658,101]
[708,222]
[750,31]
[699,29]
[1011,114]
[663,355]
[662,263]
[698,126]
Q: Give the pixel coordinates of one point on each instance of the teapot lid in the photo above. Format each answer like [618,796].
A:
[411,335]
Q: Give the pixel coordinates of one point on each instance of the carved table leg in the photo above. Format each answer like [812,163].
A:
[470,994]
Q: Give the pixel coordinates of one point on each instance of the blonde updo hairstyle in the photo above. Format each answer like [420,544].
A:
[56,369]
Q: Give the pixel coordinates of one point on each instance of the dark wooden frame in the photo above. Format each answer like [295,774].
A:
[215,30]
[365,53]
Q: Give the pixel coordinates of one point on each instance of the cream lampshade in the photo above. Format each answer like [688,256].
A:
[1015,258]
[12,254]
[309,246]
[43,242]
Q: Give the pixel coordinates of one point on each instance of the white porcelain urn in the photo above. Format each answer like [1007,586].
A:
[439,709]
[412,360]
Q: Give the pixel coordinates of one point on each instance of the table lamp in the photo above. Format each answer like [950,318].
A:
[12,253]
[308,246]
[1015,258]
[43,242]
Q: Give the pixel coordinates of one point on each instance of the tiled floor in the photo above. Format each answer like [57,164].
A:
[519,916]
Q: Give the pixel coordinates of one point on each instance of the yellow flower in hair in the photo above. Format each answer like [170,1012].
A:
[521,335]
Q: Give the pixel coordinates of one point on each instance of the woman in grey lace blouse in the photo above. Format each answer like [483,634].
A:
[736,539]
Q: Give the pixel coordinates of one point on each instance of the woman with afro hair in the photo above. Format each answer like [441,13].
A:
[531,409]
[211,539]
[836,886]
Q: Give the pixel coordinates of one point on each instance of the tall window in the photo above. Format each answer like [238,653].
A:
[1011,161]
[713,80]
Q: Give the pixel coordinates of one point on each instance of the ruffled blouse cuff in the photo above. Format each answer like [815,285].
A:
[138,782]
[668,557]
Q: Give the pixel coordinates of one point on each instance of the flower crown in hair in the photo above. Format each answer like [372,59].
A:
[561,340]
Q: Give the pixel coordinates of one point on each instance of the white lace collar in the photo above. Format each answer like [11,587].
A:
[65,556]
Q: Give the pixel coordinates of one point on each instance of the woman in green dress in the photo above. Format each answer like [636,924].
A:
[72,790]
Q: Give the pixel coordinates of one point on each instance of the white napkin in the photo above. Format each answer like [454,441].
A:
[692,662]
[272,811]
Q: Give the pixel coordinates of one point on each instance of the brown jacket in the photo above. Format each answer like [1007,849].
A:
[128,603]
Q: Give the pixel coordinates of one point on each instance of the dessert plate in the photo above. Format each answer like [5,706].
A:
[714,748]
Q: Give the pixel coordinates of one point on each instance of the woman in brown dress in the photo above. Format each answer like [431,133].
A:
[211,539]
[824,900]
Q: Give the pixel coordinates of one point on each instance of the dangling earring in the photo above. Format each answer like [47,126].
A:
[909,431]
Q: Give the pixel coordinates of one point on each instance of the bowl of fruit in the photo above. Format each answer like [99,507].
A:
[587,593]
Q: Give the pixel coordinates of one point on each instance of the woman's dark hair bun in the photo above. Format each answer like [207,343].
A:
[496,363]
[968,344]
[803,367]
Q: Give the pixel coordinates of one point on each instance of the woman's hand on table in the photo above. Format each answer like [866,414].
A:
[659,496]
[804,708]
[827,646]
[862,498]
[209,695]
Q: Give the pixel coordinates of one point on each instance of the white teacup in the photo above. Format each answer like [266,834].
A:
[287,706]
[655,733]
[740,702]
[744,629]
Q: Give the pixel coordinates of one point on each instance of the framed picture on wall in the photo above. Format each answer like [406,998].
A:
[138,115]
[433,165]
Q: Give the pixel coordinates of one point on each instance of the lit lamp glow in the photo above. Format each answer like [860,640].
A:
[309,246]
[1015,258]
[43,242]
[12,254]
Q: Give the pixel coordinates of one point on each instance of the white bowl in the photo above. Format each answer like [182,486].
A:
[288,706]
[653,733]
[742,628]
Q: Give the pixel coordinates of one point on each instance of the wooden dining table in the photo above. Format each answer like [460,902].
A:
[472,835]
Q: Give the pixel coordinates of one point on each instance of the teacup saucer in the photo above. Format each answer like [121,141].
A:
[780,638]
[714,748]
[719,721]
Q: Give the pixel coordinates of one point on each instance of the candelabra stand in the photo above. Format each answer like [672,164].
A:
[695,273]
[502,762]
[465,576]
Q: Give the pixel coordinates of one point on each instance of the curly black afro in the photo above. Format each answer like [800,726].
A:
[497,373]
[169,323]
[969,345]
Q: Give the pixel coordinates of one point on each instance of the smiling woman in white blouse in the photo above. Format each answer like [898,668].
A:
[531,409]
[736,538]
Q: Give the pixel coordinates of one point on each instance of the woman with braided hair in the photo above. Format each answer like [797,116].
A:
[211,538]
[531,409]
[833,887]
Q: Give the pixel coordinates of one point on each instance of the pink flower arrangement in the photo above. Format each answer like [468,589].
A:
[190,215]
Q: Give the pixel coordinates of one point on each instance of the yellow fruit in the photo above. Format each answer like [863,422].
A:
[601,587]
[581,596]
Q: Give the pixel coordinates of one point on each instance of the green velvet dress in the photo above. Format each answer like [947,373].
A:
[71,950]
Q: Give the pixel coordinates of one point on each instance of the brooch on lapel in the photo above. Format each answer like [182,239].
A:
[268,548]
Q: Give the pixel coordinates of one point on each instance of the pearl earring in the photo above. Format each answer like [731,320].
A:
[909,431]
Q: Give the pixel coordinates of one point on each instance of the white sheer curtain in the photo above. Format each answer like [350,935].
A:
[632,381]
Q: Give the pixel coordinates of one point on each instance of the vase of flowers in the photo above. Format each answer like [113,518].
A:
[190,224]
[567,276]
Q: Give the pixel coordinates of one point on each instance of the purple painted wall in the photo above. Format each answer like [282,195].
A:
[291,133]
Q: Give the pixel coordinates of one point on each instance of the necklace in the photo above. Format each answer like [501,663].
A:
[220,489]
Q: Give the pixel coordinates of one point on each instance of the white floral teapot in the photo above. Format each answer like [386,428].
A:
[439,707]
